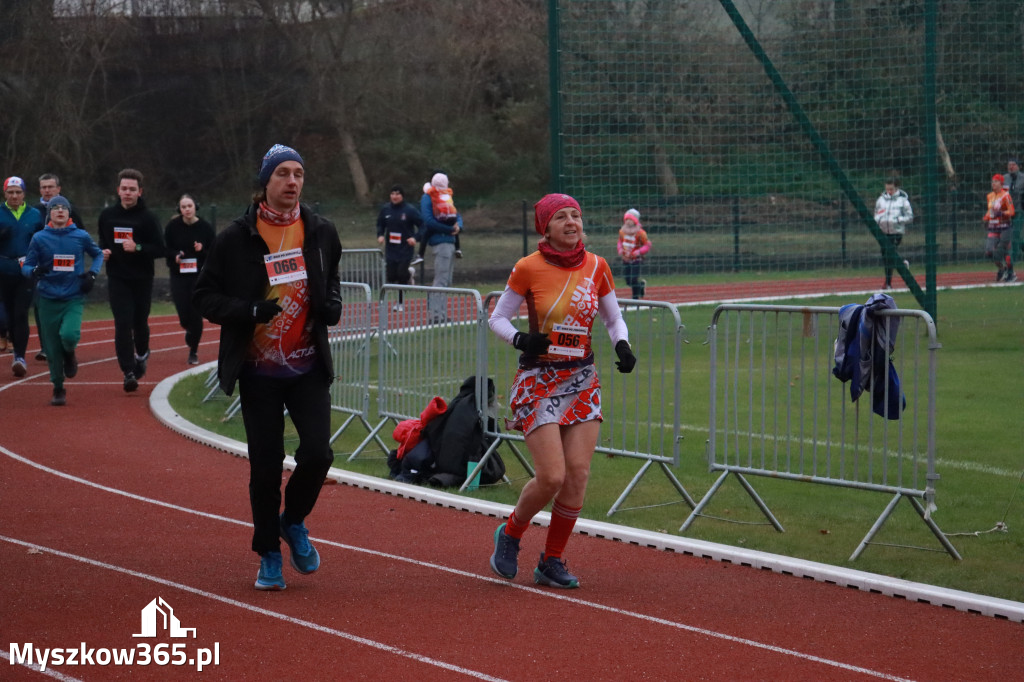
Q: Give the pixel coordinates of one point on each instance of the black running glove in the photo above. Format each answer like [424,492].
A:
[264,311]
[333,309]
[88,279]
[41,270]
[532,343]
[627,361]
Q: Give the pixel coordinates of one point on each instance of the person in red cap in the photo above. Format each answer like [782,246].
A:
[555,396]
[998,221]
[18,222]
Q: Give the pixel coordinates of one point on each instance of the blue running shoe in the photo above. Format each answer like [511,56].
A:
[551,572]
[304,557]
[505,560]
[269,578]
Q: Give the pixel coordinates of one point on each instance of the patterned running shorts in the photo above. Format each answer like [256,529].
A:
[544,395]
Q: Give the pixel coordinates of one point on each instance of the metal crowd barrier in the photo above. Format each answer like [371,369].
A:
[641,410]
[419,356]
[351,342]
[363,265]
[776,409]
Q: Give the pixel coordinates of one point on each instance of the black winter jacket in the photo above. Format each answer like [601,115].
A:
[146,233]
[235,277]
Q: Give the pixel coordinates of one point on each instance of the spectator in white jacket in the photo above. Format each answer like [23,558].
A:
[893,213]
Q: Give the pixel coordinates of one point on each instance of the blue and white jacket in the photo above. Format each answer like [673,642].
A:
[57,246]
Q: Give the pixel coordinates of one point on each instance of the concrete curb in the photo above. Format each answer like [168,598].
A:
[867,582]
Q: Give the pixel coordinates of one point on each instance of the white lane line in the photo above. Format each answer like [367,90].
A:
[35,667]
[256,609]
[45,374]
[453,571]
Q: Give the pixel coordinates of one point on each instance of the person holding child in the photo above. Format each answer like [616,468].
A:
[56,261]
[441,227]
[555,396]
[632,246]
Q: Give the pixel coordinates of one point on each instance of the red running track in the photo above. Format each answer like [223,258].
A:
[104,510]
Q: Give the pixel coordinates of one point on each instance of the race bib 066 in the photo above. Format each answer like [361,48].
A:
[285,266]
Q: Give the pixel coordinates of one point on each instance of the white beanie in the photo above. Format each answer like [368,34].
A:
[632,214]
[440,181]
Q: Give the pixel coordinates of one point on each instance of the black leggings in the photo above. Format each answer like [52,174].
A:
[130,300]
[190,319]
[264,399]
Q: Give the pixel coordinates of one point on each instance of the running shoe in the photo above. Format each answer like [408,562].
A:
[193,358]
[140,365]
[70,364]
[304,557]
[551,572]
[130,382]
[504,560]
[269,578]
[19,368]
[60,397]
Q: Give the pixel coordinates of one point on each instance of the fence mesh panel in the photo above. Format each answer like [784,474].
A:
[662,106]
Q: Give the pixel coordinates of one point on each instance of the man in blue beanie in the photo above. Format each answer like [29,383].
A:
[271,281]
[56,260]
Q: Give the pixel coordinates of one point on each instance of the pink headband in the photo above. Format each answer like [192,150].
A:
[548,206]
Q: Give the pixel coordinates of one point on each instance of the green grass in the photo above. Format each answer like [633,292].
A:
[980,379]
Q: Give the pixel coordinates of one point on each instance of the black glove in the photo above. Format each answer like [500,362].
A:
[627,361]
[88,279]
[333,311]
[41,270]
[264,311]
[532,343]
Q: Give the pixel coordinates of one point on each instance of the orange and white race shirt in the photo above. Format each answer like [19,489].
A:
[284,346]
[561,302]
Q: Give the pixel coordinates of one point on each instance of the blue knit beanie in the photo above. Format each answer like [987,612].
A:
[274,157]
[58,201]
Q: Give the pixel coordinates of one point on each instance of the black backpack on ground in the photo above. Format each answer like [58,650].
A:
[456,438]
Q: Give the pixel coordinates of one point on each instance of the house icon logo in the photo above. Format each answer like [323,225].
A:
[158,614]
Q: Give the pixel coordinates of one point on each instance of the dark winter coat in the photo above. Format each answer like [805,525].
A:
[235,277]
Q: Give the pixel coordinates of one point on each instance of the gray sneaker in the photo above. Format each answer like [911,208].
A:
[551,572]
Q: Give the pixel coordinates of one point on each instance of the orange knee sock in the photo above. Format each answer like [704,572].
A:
[563,520]
[514,528]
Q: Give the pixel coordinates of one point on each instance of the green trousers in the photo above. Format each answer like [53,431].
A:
[61,323]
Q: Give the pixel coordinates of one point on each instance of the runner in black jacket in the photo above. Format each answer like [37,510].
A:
[131,239]
[271,281]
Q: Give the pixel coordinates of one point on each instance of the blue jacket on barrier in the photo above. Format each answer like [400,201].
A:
[863,351]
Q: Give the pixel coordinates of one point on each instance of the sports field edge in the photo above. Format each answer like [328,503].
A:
[159,402]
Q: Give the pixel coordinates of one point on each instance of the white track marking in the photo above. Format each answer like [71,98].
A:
[394,557]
